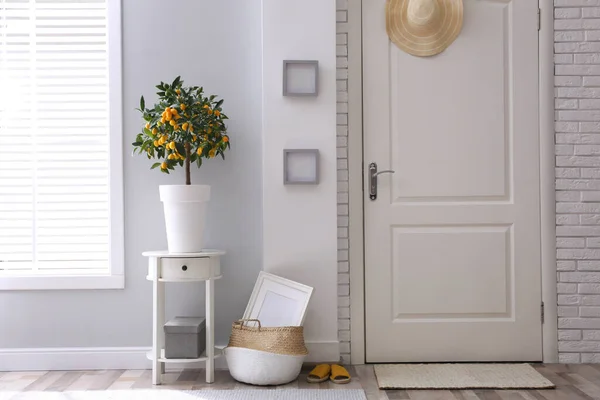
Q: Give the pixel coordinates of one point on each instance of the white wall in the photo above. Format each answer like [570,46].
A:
[217,45]
[211,43]
[300,223]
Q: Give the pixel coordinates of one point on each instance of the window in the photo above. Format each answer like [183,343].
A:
[61,206]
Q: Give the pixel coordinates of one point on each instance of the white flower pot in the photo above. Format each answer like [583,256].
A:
[185,216]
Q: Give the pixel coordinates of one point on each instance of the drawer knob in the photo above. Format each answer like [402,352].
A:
[184,268]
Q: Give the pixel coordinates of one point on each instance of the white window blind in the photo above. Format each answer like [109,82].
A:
[54,137]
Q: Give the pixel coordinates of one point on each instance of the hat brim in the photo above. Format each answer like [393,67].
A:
[424,41]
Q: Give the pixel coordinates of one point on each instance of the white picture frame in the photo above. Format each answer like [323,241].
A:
[277,301]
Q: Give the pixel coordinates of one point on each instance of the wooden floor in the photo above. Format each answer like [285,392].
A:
[574,382]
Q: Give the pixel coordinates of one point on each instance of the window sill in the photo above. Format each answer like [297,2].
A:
[62,282]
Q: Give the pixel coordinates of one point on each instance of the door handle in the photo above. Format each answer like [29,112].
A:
[373,174]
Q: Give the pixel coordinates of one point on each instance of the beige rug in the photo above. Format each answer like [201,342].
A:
[460,376]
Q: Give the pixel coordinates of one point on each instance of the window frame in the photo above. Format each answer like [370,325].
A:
[115,277]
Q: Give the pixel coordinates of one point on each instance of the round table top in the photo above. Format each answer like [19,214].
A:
[166,254]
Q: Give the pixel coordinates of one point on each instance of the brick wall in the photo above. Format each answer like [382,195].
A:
[577,82]
[342,174]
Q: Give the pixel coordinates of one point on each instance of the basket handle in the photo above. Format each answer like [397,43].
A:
[241,322]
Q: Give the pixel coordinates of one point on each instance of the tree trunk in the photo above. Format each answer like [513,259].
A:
[188,178]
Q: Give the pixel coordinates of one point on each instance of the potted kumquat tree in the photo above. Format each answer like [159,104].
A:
[185,126]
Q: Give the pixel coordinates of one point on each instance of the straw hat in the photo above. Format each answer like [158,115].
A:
[423,27]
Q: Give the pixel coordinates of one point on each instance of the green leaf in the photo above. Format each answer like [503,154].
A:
[160,93]
[180,148]
[199,162]
[222,155]
[155,165]
[142,103]
[176,81]
[219,103]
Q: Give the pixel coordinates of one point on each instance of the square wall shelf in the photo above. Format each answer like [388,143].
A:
[300,78]
[300,167]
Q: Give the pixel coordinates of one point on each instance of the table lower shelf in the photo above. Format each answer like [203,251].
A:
[150,356]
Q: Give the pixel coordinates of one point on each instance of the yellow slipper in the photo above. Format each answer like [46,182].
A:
[319,374]
[339,374]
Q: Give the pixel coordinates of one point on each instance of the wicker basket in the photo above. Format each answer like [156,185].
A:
[287,340]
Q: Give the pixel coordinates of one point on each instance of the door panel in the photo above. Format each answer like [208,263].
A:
[452,243]
[477,254]
[429,106]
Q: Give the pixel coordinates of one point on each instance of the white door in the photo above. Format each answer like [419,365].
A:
[452,242]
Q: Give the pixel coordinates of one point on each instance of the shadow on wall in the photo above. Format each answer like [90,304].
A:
[216,45]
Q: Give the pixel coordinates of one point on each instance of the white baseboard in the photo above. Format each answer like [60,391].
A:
[73,358]
[93,358]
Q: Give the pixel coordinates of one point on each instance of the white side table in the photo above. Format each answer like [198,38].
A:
[182,267]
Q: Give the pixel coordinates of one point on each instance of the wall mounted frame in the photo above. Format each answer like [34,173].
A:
[300,167]
[300,78]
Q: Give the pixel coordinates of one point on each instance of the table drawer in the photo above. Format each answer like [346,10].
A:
[189,268]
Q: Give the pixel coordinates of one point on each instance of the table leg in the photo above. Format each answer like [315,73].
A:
[161,323]
[210,331]
[158,320]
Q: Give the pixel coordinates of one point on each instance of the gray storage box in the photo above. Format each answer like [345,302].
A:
[185,337]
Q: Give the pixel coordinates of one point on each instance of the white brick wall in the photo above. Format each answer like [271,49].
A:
[342,167]
[577,81]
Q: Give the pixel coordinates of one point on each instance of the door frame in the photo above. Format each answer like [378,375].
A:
[547,179]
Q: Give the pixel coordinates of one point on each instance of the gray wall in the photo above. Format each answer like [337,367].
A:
[216,44]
